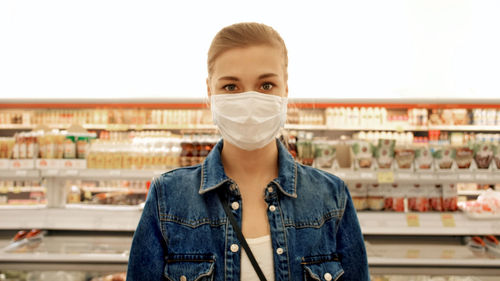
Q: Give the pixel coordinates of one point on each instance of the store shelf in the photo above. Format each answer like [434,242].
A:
[80,252]
[432,223]
[421,177]
[101,174]
[108,218]
[19,174]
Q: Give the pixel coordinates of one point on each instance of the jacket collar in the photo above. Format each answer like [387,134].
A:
[213,175]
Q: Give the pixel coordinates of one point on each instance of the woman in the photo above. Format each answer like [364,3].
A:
[299,222]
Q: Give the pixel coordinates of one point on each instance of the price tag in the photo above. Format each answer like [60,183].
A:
[447,177]
[448,254]
[413,254]
[481,176]
[385,177]
[21,173]
[366,175]
[427,177]
[448,220]
[412,220]
[465,177]
[51,172]
[71,172]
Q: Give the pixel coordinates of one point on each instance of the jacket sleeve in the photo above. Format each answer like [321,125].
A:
[148,251]
[350,244]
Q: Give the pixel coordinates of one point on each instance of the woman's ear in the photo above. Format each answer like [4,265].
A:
[209,91]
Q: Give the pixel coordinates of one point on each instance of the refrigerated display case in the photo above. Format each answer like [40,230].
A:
[84,197]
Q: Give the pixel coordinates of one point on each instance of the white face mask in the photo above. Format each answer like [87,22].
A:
[249,120]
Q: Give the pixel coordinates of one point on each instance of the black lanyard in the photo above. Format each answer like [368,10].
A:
[240,236]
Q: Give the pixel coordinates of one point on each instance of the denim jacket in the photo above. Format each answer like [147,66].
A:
[184,233]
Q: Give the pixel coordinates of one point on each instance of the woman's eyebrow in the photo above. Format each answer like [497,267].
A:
[231,78]
[267,75]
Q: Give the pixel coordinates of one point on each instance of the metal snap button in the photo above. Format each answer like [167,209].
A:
[327,276]
[235,205]
[183,278]
[272,208]
[234,248]
[279,251]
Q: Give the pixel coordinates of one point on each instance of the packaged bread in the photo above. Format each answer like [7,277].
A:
[363,154]
[423,158]
[463,157]
[483,155]
[404,157]
[384,153]
[444,157]
[394,197]
[324,153]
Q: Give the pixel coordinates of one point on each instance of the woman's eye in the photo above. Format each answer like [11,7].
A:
[230,87]
[267,86]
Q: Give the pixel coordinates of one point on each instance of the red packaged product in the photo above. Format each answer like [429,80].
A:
[394,198]
[417,199]
[436,198]
[450,197]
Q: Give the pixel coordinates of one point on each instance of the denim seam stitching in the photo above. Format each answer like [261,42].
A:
[163,230]
[192,224]
[328,216]
[286,239]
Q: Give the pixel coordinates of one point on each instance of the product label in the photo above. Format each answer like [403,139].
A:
[412,220]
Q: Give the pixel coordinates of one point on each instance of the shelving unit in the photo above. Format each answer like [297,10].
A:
[396,255]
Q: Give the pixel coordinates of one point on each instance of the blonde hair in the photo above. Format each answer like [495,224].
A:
[245,34]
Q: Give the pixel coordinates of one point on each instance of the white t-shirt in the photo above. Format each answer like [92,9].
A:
[262,250]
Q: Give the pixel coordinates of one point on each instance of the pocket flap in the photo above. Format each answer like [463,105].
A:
[323,267]
[189,267]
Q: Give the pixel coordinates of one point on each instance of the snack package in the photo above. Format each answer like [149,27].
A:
[444,156]
[363,154]
[423,158]
[483,155]
[496,155]
[404,157]
[463,157]
[324,154]
[436,198]
[394,197]
[450,197]
[359,194]
[417,198]
[384,153]
[375,197]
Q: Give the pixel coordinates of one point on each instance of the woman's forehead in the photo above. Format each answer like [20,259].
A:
[254,60]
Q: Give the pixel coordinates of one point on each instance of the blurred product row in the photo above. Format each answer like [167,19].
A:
[331,116]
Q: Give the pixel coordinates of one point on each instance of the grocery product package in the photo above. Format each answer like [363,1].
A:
[464,157]
[394,197]
[423,158]
[496,157]
[444,157]
[384,153]
[436,198]
[324,154]
[404,157]
[359,194]
[450,197]
[375,197]
[363,154]
[418,198]
[483,154]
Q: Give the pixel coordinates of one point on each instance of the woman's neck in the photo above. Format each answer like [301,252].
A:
[250,166]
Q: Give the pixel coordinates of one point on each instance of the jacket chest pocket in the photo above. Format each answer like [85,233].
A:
[189,267]
[322,268]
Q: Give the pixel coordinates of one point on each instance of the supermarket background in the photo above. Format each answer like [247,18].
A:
[399,98]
